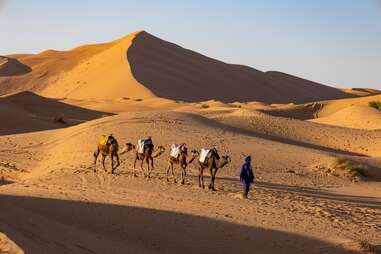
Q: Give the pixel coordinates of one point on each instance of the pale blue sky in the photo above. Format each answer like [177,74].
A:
[336,42]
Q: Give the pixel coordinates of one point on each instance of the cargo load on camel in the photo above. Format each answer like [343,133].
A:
[143,144]
[207,153]
[106,140]
[177,148]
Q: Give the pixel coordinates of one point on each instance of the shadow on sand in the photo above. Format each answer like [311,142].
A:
[4,181]
[255,134]
[304,191]
[12,67]
[40,225]
[28,112]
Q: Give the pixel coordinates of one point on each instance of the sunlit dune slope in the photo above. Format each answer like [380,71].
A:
[361,117]
[143,66]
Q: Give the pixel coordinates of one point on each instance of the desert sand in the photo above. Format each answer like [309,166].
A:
[55,105]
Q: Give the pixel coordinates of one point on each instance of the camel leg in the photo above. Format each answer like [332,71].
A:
[201,177]
[96,154]
[112,163]
[117,163]
[136,158]
[142,168]
[183,174]
[152,166]
[103,162]
[213,177]
[173,175]
[169,167]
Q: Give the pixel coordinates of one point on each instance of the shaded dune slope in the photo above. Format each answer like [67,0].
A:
[12,67]
[28,112]
[173,72]
[108,228]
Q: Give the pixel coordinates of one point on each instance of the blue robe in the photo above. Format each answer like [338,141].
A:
[246,175]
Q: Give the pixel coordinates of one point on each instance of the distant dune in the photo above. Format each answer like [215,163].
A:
[12,67]
[361,91]
[28,112]
[142,66]
[360,117]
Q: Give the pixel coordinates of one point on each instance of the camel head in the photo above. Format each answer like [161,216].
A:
[224,161]
[194,154]
[128,147]
[159,151]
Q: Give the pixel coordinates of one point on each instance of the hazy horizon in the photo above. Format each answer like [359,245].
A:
[332,42]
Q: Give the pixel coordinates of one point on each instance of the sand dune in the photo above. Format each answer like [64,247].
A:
[320,108]
[360,117]
[142,66]
[28,112]
[106,212]
[46,68]
[12,67]
[362,91]
[176,73]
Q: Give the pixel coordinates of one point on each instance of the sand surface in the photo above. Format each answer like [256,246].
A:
[51,201]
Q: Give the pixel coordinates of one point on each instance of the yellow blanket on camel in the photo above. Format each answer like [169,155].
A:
[103,140]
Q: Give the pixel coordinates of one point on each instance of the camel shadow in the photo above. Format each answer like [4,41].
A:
[4,181]
[42,225]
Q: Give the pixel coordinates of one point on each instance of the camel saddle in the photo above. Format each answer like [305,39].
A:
[106,140]
[207,153]
[143,144]
[177,148]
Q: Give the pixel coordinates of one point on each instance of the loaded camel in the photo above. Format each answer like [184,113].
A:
[147,154]
[109,148]
[181,160]
[213,162]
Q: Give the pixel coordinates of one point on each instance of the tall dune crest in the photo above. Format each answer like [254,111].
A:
[141,65]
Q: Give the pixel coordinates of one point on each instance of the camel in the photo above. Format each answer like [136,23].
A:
[148,155]
[182,161]
[213,163]
[109,149]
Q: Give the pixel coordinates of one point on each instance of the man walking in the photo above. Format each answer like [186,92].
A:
[246,176]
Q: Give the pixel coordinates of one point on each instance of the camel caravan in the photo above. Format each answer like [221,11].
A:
[178,156]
